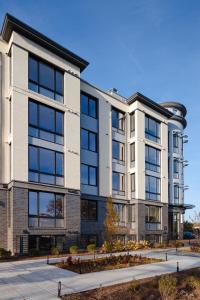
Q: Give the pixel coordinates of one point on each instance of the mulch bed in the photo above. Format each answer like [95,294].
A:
[145,289]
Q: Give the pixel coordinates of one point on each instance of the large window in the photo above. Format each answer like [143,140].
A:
[152,187]
[88,175]
[118,181]
[45,209]
[120,210]
[88,140]
[88,105]
[118,120]
[176,193]
[89,210]
[131,213]
[132,152]
[46,123]
[152,159]
[46,166]
[133,182]
[176,168]
[118,151]
[152,129]
[45,79]
[132,122]
[175,142]
[152,214]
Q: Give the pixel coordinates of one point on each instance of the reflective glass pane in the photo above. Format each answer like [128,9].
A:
[84,139]
[92,108]
[59,164]
[92,142]
[33,158]
[46,92]
[59,180]
[84,174]
[58,97]
[47,161]
[45,222]
[33,113]
[33,87]
[84,104]
[59,123]
[33,69]
[33,132]
[33,207]
[114,119]
[33,176]
[47,118]
[59,82]
[47,179]
[59,139]
[115,150]
[115,181]
[59,206]
[47,136]
[46,75]
[93,176]
[46,204]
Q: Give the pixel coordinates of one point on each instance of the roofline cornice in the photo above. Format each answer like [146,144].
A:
[11,24]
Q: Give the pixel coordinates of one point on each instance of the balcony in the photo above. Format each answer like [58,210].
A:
[153,226]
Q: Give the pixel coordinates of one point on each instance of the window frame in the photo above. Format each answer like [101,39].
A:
[39,128]
[155,137]
[150,164]
[39,85]
[117,111]
[132,180]
[132,122]
[45,173]
[38,216]
[123,152]
[88,217]
[90,132]
[147,218]
[90,98]
[123,182]
[148,193]
[88,175]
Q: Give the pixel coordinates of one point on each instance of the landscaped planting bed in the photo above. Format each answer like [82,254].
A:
[104,263]
[178,286]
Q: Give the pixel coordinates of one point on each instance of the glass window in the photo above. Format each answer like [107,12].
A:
[45,79]
[152,129]
[88,105]
[92,176]
[118,119]
[118,181]
[152,159]
[132,122]
[175,140]
[176,166]
[46,165]
[88,210]
[118,150]
[133,182]
[152,214]
[132,150]
[120,210]
[46,123]
[176,192]
[45,209]
[84,174]
[88,175]
[88,140]
[152,187]
[131,213]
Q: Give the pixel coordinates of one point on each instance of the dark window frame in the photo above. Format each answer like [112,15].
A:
[132,152]
[88,217]
[117,111]
[96,140]
[123,183]
[132,180]
[96,168]
[39,128]
[38,216]
[132,122]
[148,193]
[118,158]
[39,85]
[92,98]
[149,134]
[176,192]
[38,162]
[148,164]
[147,218]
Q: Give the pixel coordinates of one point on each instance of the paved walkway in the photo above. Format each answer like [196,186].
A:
[34,279]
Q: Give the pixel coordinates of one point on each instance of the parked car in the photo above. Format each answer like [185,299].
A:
[187,235]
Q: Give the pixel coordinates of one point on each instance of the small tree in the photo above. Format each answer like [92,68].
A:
[110,223]
[196,223]
[188,226]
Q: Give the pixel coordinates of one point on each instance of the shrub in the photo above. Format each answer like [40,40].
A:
[118,245]
[130,245]
[73,249]
[34,252]
[134,287]
[69,260]
[106,247]
[91,247]
[55,251]
[195,249]
[194,283]
[167,287]
[4,253]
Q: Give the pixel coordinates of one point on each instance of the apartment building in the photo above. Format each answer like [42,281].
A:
[66,146]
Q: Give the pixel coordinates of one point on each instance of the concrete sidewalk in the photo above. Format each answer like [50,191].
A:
[34,279]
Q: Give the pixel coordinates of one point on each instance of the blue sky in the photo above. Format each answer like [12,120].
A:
[150,46]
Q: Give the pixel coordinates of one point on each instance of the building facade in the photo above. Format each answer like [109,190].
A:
[66,146]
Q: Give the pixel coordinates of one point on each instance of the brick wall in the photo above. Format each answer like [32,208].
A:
[3,218]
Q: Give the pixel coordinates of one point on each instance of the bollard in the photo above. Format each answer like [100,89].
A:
[166,256]
[59,289]
[47,259]
[177,266]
